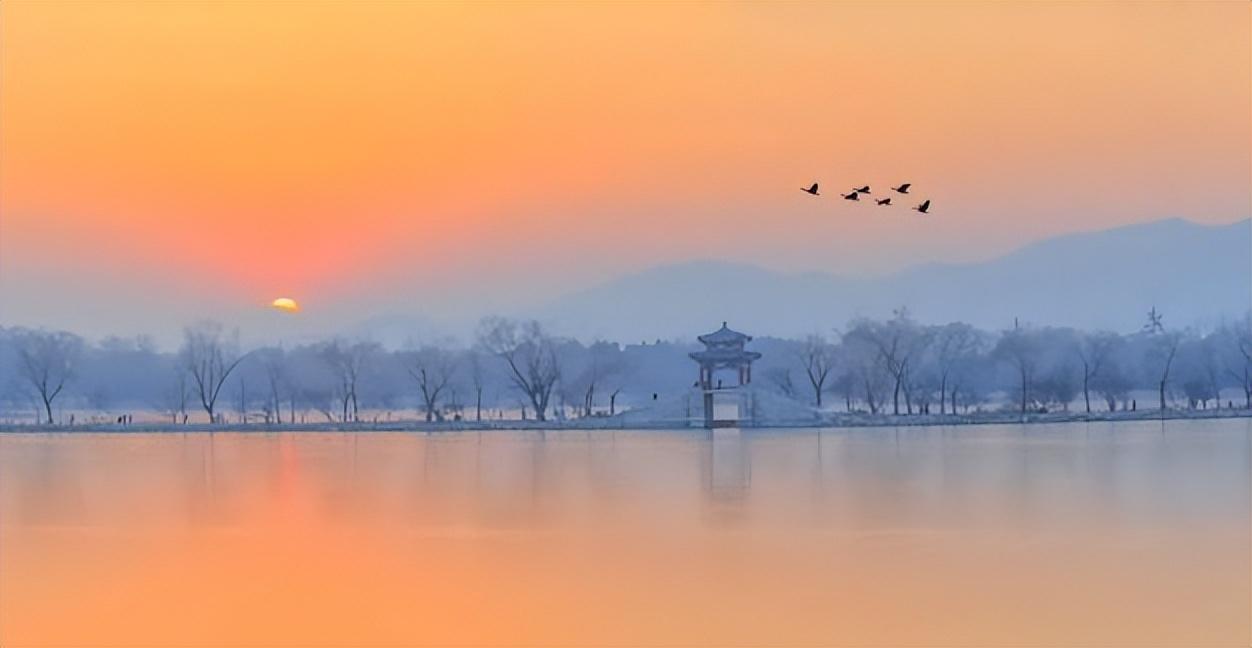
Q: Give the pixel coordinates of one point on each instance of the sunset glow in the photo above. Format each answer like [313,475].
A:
[378,323]
[247,148]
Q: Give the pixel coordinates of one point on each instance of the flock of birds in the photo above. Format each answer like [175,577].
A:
[855,194]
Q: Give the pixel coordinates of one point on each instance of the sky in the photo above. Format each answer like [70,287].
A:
[164,162]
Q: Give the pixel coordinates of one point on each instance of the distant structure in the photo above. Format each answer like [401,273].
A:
[724,351]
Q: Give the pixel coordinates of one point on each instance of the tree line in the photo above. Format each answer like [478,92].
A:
[520,369]
[901,367]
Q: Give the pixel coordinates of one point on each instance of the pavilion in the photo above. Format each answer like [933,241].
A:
[724,350]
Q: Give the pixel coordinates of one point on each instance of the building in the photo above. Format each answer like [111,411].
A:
[725,370]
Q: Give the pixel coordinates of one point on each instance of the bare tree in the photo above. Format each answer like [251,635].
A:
[781,378]
[1095,351]
[432,368]
[322,399]
[896,342]
[1239,357]
[867,369]
[845,384]
[602,364]
[477,381]
[817,357]
[348,362]
[954,345]
[48,362]
[1161,354]
[174,398]
[1059,386]
[1112,384]
[274,362]
[530,354]
[1020,348]
[613,400]
[210,357]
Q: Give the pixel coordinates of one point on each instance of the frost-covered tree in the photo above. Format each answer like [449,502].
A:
[954,347]
[1095,352]
[48,361]
[896,343]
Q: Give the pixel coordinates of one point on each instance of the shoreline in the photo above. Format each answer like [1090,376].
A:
[840,420]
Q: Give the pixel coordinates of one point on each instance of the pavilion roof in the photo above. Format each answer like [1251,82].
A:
[724,355]
[724,335]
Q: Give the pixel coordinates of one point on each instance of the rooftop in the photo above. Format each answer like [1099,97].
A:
[725,335]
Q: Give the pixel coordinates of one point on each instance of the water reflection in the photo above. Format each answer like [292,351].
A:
[727,471]
[1092,533]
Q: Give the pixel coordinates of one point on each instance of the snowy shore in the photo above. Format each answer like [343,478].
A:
[625,422]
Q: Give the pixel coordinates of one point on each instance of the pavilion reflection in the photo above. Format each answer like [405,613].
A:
[726,469]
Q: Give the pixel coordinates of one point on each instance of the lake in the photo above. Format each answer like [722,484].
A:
[1136,533]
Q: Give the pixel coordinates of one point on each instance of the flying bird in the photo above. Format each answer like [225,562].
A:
[811,190]
[884,201]
[864,189]
[851,196]
[923,207]
[904,188]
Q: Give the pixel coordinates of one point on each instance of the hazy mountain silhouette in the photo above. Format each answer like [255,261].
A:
[1195,274]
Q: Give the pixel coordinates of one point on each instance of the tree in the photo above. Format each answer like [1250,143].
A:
[954,345]
[1162,349]
[781,379]
[432,368]
[348,361]
[210,357]
[174,398]
[48,362]
[817,357]
[274,363]
[613,400]
[1238,340]
[477,380]
[867,370]
[896,342]
[845,383]
[530,354]
[603,362]
[1019,347]
[1095,351]
[1060,386]
[1112,384]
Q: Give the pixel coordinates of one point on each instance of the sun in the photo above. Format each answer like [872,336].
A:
[286,304]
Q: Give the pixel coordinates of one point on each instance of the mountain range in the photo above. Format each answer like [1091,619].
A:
[1195,274]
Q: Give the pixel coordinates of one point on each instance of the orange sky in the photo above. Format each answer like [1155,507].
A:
[232,152]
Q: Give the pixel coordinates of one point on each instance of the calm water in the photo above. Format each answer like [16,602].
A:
[1102,534]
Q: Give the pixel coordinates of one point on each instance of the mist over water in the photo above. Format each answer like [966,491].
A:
[1091,534]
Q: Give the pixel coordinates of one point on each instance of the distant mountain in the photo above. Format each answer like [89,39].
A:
[1195,274]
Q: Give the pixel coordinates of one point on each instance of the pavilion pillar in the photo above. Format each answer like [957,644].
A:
[708,409]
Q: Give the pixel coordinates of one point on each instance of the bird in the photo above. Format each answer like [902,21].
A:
[811,190]
[864,189]
[922,207]
[851,196]
[884,201]
[904,188]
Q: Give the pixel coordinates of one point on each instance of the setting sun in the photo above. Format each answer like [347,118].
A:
[286,304]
